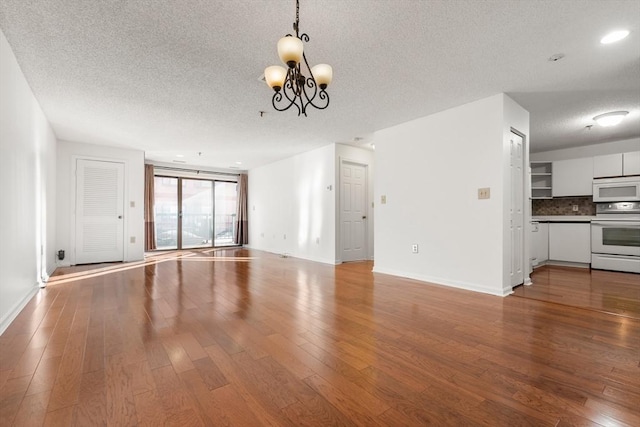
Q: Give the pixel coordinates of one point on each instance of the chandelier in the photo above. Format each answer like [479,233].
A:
[291,86]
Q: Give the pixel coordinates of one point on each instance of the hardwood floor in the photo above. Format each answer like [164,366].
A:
[247,338]
[607,291]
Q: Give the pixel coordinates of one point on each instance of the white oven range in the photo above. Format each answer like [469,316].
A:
[615,237]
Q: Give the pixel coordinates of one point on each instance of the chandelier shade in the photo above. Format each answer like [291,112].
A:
[292,88]
[323,74]
[275,76]
[290,50]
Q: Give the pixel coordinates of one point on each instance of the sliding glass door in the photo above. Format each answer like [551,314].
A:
[166,212]
[197,213]
[194,213]
[226,198]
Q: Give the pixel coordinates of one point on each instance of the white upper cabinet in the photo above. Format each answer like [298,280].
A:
[621,164]
[631,163]
[572,177]
[607,166]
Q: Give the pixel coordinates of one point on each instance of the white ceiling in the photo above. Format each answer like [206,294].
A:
[182,77]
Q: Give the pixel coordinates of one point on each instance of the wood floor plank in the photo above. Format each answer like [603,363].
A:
[229,340]
[60,417]
[33,410]
[11,396]
[211,375]
[67,384]
[119,392]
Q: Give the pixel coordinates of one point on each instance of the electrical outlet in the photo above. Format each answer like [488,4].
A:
[484,193]
[284,237]
[383,200]
[317,240]
[132,239]
[414,249]
[575,208]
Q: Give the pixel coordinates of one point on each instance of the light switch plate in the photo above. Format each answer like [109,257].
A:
[484,193]
[383,200]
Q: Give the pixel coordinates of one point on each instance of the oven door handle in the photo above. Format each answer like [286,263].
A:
[617,224]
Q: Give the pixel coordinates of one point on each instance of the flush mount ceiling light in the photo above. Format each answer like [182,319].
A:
[610,119]
[291,86]
[614,36]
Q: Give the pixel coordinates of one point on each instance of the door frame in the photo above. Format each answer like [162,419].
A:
[368,225]
[179,200]
[73,200]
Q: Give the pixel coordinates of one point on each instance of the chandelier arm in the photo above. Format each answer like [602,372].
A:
[311,81]
[303,106]
[278,98]
[275,100]
[290,93]
[324,96]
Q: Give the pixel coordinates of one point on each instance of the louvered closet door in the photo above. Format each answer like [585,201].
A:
[99,211]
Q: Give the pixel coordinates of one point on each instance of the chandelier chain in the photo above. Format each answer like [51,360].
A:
[296,26]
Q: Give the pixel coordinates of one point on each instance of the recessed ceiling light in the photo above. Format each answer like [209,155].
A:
[610,119]
[238,163]
[614,36]
[179,155]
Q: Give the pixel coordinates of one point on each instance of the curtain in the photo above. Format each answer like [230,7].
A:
[242,224]
[149,221]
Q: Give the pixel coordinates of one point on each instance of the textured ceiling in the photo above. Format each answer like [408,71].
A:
[182,77]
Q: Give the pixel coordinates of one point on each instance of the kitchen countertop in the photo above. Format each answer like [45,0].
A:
[563,218]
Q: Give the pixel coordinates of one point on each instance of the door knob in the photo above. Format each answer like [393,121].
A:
[119,216]
[364,217]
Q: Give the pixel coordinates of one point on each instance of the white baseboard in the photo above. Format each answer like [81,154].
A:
[568,264]
[16,309]
[296,255]
[444,282]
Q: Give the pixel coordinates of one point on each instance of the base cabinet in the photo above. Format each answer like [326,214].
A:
[539,243]
[570,242]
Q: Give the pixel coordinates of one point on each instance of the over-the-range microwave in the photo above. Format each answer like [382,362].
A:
[625,189]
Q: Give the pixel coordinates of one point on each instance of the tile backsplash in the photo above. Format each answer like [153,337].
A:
[563,206]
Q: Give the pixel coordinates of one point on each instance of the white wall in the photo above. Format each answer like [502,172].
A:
[67,154]
[290,208]
[430,170]
[27,190]
[623,146]
[366,157]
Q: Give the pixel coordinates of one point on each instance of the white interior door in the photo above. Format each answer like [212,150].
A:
[353,211]
[99,211]
[517,209]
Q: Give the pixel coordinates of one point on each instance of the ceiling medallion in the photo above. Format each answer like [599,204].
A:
[291,86]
